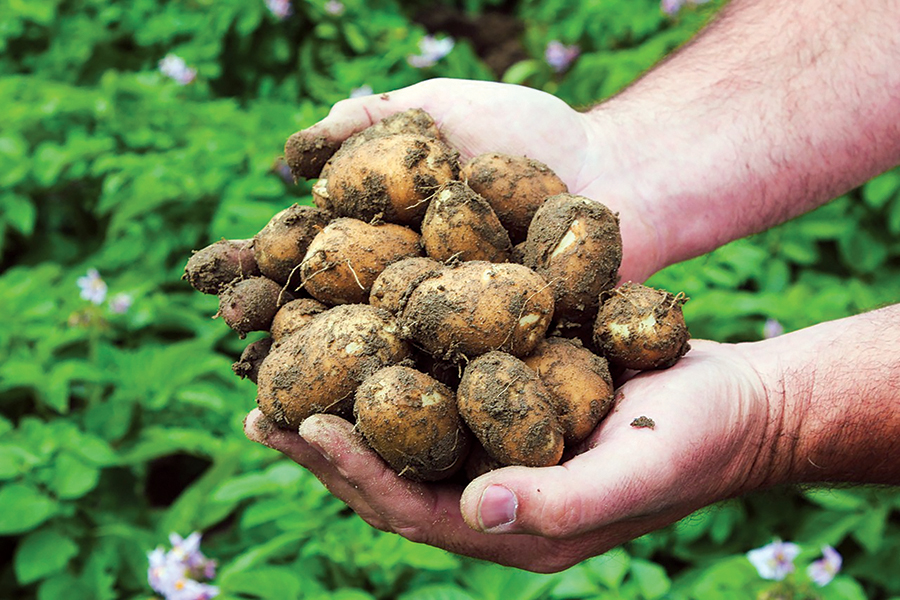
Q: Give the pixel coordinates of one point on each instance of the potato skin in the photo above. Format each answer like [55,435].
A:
[639,327]
[294,315]
[393,176]
[461,224]
[580,386]
[476,307]
[514,186]
[393,286]
[211,269]
[318,369]
[344,259]
[250,304]
[412,422]
[281,245]
[508,409]
[574,242]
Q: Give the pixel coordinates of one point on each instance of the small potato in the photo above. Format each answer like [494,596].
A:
[281,245]
[412,422]
[579,383]
[307,152]
[247,366]
[639,327]
[575,244]
[294,315]
[250,304]
[393,176]
[344,259]
[211,269]
[461,224]
[397,281]
[318,369]
[515,186]
[477,307]
[509,410]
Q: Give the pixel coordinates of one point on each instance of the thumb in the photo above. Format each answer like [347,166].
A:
[592,490]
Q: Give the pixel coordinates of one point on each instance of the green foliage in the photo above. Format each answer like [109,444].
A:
[119,427]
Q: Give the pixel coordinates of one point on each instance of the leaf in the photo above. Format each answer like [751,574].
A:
[22,508]
[843,587]
[272,583]
[41,554]
[437,591]
[520,72]
[880,190]
[870,531]
[650,577]
[835,499]
[72,478]
[257,554]
[19,212]
[610,568]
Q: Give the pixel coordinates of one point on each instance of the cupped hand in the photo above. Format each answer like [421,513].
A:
[711,440]
[478,116]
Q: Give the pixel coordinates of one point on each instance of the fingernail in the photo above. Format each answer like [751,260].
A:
[497,507]
[309,431]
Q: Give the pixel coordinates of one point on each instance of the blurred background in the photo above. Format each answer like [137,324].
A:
[132,133]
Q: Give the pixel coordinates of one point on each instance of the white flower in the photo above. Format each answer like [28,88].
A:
[280,8]
[363,90]
[333,7]
[670,7]
[92,286]
[120,303]
[174,573]
[823,570]
[772,328]
[175,68]
[560,56]
[774,561]
[431,50]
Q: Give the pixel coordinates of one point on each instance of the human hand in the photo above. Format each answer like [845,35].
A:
[711,441]
[477,117]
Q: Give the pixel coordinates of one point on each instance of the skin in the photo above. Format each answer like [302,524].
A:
[771,111]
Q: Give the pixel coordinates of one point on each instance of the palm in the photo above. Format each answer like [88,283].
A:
[708,415]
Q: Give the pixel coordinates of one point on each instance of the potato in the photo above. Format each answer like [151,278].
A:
[392,176]
[251,358]
[412,422]
[575,244]
[397,281]
[211,269]
[477,307]
[639,327]
[319,367]
[479,462]
[461,224]
[294,315]
[344,259]
[514,186]
[250,304]
[281,245]
[509,410]
[580,386]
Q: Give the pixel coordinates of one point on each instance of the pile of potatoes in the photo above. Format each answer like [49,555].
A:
[464,316]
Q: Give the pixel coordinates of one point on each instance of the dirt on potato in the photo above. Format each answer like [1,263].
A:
[211,269]
[250,304]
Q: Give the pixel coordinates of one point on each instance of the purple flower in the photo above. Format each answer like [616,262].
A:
[363,90]
[670,7]
[823,570]
[559,56]
[334,8]
[92,286]
[772,328]
[175,68]
[431,50]
[280,8]
[120,303]
[774,561]
[175,573]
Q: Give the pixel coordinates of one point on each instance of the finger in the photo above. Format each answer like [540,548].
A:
[262,430]
[426,513]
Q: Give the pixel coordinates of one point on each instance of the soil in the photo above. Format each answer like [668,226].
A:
[643,422]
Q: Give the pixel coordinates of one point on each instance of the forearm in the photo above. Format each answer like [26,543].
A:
[774,109]
[834,401]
